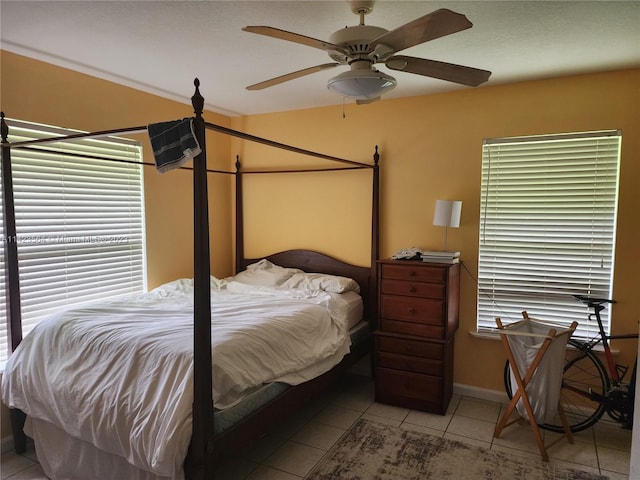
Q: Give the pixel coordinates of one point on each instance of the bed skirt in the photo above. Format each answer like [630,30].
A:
[64,457]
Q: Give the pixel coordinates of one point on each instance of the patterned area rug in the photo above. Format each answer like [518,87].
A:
[372,451]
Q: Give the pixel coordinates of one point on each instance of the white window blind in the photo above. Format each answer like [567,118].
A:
[547,227]
[79,220]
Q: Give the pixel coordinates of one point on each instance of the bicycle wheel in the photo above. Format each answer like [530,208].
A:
[584,383]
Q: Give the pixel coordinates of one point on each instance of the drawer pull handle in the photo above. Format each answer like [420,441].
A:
[412,273]
[412,289]
[411,310]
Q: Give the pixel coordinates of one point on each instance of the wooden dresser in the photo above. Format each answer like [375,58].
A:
[418,316]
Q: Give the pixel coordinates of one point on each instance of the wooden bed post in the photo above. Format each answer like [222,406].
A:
[14,312]
[239,218]
[375,237]
[199,464]
[375,256]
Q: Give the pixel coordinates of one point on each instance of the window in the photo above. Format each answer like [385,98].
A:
[547,226]
[79,222]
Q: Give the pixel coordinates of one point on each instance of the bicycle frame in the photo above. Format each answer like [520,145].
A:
[615,376]
[617,397]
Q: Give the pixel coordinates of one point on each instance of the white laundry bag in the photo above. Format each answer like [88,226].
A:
[525,339]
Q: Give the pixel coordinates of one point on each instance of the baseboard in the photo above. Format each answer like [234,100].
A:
[481,393]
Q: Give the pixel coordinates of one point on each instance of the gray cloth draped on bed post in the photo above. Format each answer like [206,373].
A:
[174,143]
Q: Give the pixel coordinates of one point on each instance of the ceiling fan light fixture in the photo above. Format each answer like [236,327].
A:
[362,84]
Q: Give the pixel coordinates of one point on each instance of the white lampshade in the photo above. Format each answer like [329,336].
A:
[447,213]
[361,84]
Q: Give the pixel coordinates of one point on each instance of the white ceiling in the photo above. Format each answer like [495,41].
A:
[161,46]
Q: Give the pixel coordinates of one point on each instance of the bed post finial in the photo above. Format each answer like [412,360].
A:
[4,129]
[376,156]
[237,163]
[197,100]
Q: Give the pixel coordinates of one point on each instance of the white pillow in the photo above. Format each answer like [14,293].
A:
[322,281]
[265,273]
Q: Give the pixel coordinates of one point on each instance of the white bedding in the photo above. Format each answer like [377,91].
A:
[118,374]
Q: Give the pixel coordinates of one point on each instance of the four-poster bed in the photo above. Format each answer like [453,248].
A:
[209,443]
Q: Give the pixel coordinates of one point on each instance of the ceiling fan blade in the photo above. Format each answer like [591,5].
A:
[436,69]
[294,37]
[433,25]
[290,76]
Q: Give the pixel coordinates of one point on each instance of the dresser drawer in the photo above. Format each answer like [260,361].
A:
[414,348]
[413,288]
[406,363]
[411,390]
[410,384]
[418,310]
[416,272]
[412,328]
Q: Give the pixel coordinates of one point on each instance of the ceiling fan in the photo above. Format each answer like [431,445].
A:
[362,46]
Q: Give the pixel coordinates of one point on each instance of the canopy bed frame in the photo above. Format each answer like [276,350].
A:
[206,449]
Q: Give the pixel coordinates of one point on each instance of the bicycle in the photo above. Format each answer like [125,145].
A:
[589,388]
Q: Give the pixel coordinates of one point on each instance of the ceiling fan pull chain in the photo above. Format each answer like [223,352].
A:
[344,114]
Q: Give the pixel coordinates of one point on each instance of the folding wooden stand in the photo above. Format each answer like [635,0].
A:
[522,381]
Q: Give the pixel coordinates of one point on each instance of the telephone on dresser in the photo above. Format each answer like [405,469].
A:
[412,253]
[415,253]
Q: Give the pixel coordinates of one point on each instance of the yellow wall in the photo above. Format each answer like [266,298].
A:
[430,148]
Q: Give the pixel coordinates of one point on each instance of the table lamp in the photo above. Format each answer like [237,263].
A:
[447,214]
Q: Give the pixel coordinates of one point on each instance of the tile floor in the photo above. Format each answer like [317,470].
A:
[294,449]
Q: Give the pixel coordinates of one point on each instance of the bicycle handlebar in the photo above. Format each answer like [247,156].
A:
[592,301]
